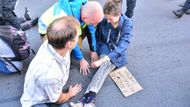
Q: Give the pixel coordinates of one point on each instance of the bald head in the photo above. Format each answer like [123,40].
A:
[92,13]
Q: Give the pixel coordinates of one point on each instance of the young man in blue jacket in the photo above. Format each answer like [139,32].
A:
[112,39]
[89,14]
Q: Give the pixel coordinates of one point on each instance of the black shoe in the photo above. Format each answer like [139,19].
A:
[27,14]
[34,22]
[129,15]
[187,12]
[178,13]
[26,26]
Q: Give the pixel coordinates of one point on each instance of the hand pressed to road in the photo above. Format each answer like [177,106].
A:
[74,90]
[84,67]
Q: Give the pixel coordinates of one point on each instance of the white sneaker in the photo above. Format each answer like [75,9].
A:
[76,104]
[90,105]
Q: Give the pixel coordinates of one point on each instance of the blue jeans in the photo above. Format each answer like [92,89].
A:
[3,68]
[100,76]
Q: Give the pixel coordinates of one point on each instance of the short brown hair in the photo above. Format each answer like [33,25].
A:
[112,7]
[62,30]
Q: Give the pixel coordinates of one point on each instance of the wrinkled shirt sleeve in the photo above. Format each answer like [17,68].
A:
[53,89]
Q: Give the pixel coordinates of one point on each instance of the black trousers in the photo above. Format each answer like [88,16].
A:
[186,5]
[130,5]
[86,33]
[11,19]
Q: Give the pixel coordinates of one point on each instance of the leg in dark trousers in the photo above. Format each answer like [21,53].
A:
[21,19]
[186,6]
[85,33]
[13,20]
[179,13]
[130,8]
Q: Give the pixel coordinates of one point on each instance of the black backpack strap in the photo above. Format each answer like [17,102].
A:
[33,51]
[7,60]
[13,58]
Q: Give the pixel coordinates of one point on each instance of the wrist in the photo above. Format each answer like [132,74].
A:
[104,59]
[69,95]
[82,60]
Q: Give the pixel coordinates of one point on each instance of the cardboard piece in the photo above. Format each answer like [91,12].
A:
[125,81]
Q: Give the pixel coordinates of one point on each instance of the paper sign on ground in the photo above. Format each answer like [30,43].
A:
[125,81]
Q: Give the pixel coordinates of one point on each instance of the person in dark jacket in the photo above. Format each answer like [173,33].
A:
[112,38]
[8,16]
[89,14]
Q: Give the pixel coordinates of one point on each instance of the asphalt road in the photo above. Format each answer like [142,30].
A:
[159,58]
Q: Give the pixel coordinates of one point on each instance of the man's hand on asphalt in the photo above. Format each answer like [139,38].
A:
[74,90]
[84,67]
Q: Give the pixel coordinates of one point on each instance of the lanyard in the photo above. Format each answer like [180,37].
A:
[118,37]
[119,34]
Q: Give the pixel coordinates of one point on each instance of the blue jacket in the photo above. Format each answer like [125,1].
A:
[72,8]
[109,46]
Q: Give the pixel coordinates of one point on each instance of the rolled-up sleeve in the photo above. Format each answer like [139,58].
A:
[53,89]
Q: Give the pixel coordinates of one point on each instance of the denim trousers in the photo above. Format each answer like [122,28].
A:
[100,76]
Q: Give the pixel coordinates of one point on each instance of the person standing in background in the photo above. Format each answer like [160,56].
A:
[180,12]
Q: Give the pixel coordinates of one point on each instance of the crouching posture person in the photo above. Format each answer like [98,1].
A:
[89,14]
[113,37]
[49,70]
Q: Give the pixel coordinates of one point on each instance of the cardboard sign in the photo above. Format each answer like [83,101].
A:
[125,81]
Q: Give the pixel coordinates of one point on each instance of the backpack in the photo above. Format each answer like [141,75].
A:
[18,42]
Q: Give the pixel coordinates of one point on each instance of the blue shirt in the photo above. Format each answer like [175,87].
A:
[113,46]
